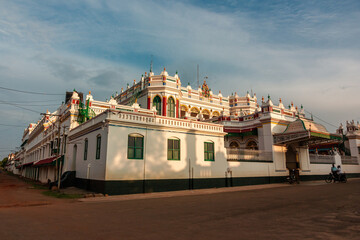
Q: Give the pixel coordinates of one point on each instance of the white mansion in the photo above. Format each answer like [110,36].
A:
[158,135]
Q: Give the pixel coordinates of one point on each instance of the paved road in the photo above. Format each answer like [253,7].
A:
[305,211]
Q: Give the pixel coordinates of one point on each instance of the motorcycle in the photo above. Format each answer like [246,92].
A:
[292,177]
[338,177]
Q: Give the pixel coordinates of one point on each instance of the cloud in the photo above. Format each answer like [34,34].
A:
[306,52]
[106,79]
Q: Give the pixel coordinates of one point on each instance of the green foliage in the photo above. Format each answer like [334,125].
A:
[3,162]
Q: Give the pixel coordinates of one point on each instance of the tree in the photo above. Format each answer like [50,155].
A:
[3,162]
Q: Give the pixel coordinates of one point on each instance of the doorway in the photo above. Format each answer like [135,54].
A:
[291,158]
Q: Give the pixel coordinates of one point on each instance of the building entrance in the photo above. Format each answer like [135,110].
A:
[291,160]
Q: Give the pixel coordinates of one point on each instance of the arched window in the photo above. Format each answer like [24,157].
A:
[234,145]
[206,114]
[183,110]
[85,149]
[98,146]
[252,145]
[209,151]
[173,149]
[194,112]
[171,107]
[216,114]
[157,104]
[135,146]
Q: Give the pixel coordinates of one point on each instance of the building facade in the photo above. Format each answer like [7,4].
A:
[157,135]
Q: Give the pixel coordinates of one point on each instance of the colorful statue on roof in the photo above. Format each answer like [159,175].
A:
[205,90]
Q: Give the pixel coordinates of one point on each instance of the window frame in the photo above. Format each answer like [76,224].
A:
[135,147]
[207,152]
[157,104]
[173,149]
[98,146]
[86,145]
[171,107]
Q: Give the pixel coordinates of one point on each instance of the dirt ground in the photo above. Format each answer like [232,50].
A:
[15,192]
[310,210]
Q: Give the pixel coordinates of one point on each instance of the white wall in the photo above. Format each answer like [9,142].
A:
[97,166]
[119,167]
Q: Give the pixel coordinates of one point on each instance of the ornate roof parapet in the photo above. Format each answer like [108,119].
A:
[75,95]
[176,76]
[258,108]
[112,101]
[89,97]
[340,130]
[292,108]
[269,102]
[302,111]
[351,126]
[164,73]
[281,105]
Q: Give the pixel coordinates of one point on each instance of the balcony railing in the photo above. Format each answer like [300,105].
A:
[321,159]
[247,155]
[349,160]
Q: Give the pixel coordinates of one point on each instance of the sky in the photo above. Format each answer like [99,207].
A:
[306,52]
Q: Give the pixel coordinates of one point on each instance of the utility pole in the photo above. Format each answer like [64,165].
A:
[62,155]
[58,144]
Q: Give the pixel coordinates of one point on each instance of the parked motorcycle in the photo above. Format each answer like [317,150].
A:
[292,177]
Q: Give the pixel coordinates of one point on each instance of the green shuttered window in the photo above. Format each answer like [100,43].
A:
[98,146]
[209,151]
[85,149]
[135,147]
[157,104]
[173,149]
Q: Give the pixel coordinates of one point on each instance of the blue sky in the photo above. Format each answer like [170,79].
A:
[307,52]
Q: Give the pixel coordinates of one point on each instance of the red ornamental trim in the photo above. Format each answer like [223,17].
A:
[164,106]
[148,103]
[177,108]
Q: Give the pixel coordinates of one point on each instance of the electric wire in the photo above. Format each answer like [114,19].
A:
[29,92]
[18,106]
[321,119]
[11,125]
[33,105]
[34,101]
